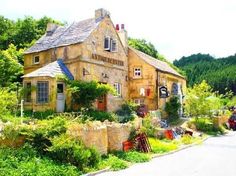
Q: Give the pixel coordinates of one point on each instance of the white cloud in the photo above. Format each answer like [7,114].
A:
[176,28]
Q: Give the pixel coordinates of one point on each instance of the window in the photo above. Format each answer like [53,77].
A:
[113,45]
[28,92]
[107,43]
[139,101]
[42,92]
[118,88]
[36,60]
[137,72]
[110,44]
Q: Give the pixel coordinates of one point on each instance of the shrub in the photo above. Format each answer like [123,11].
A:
[172,108]
[25,161]
[39,136]
[69,150]
[127,112]
[93,114]
[148,127]
[38,114]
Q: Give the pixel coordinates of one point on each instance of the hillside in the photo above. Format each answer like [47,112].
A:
[220,73]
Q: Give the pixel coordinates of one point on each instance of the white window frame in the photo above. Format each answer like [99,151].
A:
[109,43]
[114,49]
[136,71]
[139,101]
[45,92]
[34,59]
[118,88]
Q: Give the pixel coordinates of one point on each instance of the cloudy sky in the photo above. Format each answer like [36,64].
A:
[176,27]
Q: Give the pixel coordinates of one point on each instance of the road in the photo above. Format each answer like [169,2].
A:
[215,157]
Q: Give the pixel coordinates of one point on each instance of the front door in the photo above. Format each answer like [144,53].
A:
[60,97]
[102,103]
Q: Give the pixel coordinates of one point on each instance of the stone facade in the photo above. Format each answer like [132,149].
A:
[90,56]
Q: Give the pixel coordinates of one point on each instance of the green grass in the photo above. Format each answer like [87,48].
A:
[133,156]
[113,162]
[162,146]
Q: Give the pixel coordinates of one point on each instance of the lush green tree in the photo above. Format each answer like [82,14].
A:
[144,46]
[6,32]
[84,93]
[10,67]
[201,100]
[219,73]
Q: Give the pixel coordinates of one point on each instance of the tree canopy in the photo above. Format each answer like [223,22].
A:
[218,72]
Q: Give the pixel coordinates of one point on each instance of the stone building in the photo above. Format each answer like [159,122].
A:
[151,81]
[93,49]
[85,50]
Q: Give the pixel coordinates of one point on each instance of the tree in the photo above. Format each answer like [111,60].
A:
[144,46]
[201,100]
[85,93]
[10,68]
[219,73]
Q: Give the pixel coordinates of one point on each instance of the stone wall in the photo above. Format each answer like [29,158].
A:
[93,134]
[106,136]
[117,134]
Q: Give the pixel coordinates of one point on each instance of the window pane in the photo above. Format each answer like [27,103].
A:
[42,92]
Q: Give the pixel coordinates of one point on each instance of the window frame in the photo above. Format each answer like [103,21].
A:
[139,101]
[46,98]
[135,71]
[34,59]
[118,88]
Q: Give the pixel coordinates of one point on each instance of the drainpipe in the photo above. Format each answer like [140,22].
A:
[157,89]
[22,108]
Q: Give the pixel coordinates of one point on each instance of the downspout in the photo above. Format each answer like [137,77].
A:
[157,88]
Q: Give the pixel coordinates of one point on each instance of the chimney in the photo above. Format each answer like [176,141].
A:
[101,13]
[123,37]
[117,27]
[51,27]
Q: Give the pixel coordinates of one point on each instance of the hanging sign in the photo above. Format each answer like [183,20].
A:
[142,91]
[163,92]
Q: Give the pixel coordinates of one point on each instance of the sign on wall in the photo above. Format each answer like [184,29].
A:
[163,92]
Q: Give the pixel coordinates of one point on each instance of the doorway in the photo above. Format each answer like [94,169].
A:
[102,103]
[60,97]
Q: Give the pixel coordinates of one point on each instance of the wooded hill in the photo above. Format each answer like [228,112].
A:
[220,73]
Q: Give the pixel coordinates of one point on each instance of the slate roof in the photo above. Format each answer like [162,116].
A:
[52,69]
[75,33]
[160,65]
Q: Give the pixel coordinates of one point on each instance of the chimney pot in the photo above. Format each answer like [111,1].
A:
[122,26]
[117,27]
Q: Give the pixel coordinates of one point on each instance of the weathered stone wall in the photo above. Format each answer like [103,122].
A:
[117,134]
[92,134]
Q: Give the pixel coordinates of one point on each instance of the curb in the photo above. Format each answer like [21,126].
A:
[97,172]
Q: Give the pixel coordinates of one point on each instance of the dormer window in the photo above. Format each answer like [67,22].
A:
[110,44]
[36,60]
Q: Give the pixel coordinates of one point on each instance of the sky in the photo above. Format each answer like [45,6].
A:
[176,27]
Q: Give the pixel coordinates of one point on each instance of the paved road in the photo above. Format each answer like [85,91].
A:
[215,157]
